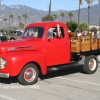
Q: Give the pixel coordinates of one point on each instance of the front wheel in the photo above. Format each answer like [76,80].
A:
[90,64]
[29,74]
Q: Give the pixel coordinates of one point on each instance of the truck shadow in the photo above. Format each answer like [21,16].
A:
[51,74]
[8,80]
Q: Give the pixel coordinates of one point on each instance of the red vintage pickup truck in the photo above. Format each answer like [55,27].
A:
[38,50]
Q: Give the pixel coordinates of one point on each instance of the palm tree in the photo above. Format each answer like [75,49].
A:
[5,19]
[55,16]
[25,16]
[11,16]
[62,14]
[89,2]
[19,18]
[80,3]
[70,14]
[21,25]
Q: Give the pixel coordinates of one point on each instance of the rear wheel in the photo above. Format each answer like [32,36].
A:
[29,74]
[90,64]
[11,39]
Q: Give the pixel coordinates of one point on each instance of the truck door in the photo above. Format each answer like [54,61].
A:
[57,49]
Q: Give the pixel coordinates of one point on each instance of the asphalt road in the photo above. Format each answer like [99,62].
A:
[64,84]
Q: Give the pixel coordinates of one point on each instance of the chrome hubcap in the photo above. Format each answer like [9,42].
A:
[92,64]
[29,74]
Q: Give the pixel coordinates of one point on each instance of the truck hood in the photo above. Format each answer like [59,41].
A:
[20,45]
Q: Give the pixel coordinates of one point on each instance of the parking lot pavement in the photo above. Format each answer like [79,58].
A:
[66,84]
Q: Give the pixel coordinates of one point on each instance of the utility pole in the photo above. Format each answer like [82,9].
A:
[99,17]
[0,15]
[49,10]
[99,24]
[99,1]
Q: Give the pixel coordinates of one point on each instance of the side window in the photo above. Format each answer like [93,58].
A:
[53,33]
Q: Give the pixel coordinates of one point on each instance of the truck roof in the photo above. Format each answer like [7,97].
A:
[46,23]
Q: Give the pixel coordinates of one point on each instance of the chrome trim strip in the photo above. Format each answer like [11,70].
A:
[2,75]
[20,47]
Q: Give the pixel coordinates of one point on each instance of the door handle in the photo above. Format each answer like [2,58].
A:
[66,42]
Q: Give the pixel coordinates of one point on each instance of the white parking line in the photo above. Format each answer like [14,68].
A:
[7,97]
[78,81]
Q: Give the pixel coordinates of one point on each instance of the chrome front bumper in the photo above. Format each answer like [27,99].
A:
[2,75]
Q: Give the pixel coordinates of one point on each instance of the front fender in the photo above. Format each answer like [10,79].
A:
[16,61]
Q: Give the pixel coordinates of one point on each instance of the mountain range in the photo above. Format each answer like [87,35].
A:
[35,15]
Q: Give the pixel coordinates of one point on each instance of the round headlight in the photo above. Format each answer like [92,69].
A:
[2,63]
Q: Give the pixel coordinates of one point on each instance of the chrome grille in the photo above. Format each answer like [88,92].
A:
[1,66]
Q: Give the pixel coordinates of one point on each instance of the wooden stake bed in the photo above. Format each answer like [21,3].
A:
[84,44]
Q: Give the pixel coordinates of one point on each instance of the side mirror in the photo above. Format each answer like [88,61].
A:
[49,39]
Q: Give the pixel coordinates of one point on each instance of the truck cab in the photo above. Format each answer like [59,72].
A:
[56,50]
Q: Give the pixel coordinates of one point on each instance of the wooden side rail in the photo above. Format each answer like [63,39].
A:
[84,43]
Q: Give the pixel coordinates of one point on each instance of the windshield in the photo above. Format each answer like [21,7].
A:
[35,32]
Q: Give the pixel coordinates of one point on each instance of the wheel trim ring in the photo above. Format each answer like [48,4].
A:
[29,74]
[92,64]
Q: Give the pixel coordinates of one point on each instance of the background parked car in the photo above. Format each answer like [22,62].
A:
[11,35]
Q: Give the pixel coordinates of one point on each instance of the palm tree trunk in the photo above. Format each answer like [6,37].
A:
[12,22]
[70,18]
[9,22]
[19,20]
[62,19]
[5,23]
[88,17]
[25,20]
[79,17]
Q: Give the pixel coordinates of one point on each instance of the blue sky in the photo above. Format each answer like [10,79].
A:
[44,4]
